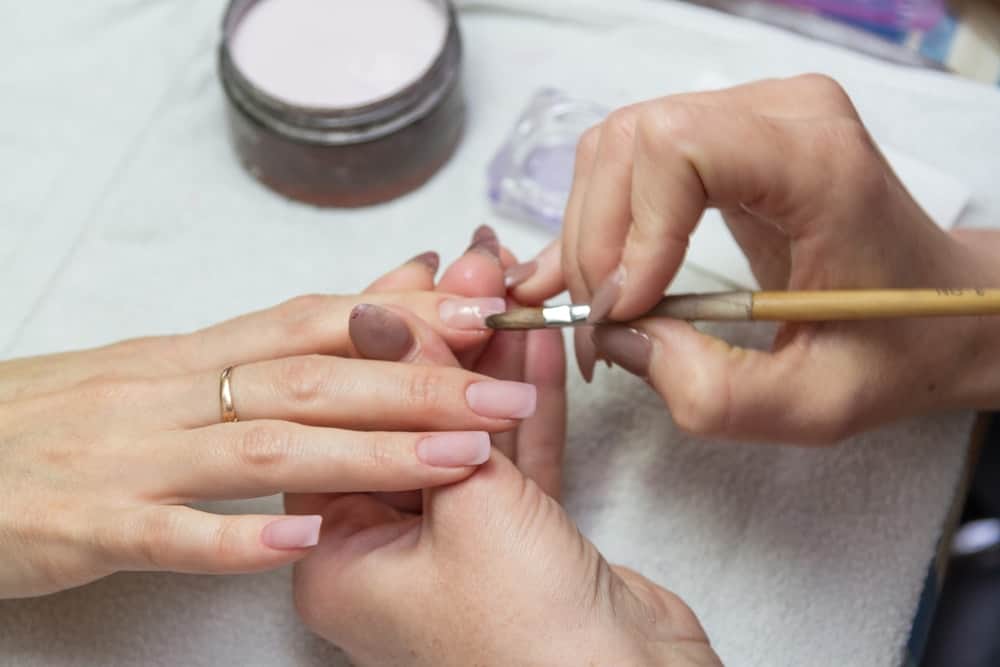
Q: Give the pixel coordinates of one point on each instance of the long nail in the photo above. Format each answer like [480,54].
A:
[470,313]
[296,532]
[519,273]
[380,334]
[454,450]
[429,259]
[629,348]
[501,399]
[485,241]
[586,354]
[607,295]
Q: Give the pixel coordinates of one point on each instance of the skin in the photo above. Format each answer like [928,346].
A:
[490,570]
[96,447]
[814,205]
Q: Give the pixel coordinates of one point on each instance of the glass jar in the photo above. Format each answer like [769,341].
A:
[352,156]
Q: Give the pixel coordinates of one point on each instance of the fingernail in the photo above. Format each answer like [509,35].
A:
[586,354]
[296,532]
[470,313]
[502,400]
[629,348]
[607,295]
[380,334]
[519,273]
[485,241]
[454,450]
[429,259]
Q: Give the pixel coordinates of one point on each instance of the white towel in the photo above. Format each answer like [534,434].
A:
[121,195]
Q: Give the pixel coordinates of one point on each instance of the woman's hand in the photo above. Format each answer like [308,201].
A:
[492,573]
[814,205]
[100,450]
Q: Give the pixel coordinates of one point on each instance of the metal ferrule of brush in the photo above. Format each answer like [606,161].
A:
[566,316]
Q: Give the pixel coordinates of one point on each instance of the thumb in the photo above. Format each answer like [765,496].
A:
[715,389]
[498,510]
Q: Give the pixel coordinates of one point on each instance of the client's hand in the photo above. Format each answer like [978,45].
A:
[100,450]
[492,573]
[814,205]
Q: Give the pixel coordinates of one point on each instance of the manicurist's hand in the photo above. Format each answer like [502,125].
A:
[814,205]
[101,450]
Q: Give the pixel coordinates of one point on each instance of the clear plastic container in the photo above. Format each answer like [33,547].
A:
[532,172]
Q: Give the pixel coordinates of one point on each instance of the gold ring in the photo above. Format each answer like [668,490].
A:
[226,397]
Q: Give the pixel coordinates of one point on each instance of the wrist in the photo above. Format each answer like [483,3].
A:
[972,375]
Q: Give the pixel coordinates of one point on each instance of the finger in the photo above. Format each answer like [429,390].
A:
[541,439]
[370,328]
[479,276]
[716,390]
[507,258]
[181,539]
[479,272]
[316,324]
[802,97]
[536,280]
[332,391]
[353,527]
[686,158]
[503,359]
[416,274]
[605,213]
[394,334]
[261,458]
[586,152]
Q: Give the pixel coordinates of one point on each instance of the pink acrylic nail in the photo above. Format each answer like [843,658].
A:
[296,532]
[454,450]
[470,313]
[501,399]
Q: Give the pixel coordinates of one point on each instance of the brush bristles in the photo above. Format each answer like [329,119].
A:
[519,318]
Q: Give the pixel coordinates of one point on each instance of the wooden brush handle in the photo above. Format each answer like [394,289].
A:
[824,305]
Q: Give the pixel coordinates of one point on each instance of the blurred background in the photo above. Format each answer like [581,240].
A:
[962,36]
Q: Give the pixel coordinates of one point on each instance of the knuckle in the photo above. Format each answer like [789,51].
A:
[302,317]
[702,406]
[304,379]
[227,543]
[620,128]
[154,537]
[379,453]
[668,124]
[264,446]
[110,390]
[586,148]
[422,390]
[827,90]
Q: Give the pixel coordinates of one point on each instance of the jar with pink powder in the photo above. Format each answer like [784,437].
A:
[342,102]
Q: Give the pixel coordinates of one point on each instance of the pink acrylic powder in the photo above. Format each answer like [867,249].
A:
[337,53]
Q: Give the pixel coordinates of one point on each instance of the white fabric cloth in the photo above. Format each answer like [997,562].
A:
[125,213]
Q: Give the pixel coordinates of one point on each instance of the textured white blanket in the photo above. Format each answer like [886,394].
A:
[123,212]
